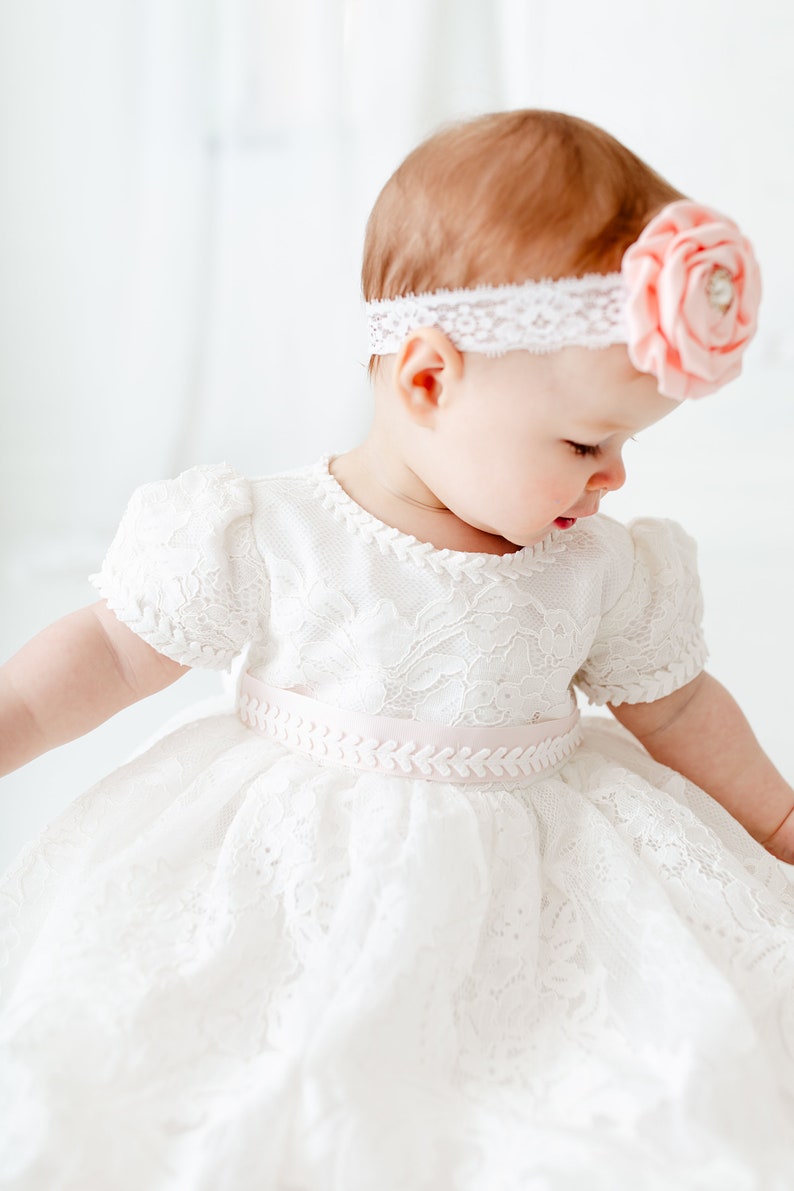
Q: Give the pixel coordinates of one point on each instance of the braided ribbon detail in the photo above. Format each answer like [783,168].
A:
[401,747]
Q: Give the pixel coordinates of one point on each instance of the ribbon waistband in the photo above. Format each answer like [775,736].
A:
[380,744]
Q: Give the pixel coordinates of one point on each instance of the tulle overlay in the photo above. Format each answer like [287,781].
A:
[232,967]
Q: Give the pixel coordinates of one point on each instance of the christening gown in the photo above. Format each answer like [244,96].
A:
[399,920]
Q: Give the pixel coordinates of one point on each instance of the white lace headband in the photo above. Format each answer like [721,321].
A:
[685,303]
[538,316]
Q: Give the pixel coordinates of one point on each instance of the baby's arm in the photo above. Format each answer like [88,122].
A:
[73,676]
[701,731]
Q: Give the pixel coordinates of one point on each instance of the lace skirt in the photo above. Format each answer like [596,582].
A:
[230,967]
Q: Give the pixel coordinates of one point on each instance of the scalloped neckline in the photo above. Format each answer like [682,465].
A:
[358,518]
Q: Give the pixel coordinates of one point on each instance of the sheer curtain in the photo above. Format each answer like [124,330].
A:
[186,185]
[184,191]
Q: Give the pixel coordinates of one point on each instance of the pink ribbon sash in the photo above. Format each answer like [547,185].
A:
[410,748]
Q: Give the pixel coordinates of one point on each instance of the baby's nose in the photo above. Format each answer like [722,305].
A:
[609,477]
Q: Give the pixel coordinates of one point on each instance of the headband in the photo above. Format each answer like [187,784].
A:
[685,303]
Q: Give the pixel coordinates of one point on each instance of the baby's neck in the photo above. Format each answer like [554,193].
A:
[404,505]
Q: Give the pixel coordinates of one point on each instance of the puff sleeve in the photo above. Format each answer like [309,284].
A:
[184,571]
[650,642]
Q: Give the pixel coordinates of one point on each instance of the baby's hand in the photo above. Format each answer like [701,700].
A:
[781,843]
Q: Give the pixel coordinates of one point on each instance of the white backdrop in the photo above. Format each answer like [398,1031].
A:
[184,190]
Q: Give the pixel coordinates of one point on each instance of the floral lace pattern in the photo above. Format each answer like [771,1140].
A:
[228,967]
[657,617]
[536,316]
[407,985]
[209,563]
[183,570]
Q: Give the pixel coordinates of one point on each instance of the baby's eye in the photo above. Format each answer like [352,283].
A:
[580,448]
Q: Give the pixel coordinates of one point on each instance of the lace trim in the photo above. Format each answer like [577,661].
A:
[538,316]
[407,548]
[402,747]
[157,629]
[654,686]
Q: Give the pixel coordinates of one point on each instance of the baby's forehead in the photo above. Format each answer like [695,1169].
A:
[617,407]
[599,389]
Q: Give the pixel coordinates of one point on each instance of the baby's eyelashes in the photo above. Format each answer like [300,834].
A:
[581,449]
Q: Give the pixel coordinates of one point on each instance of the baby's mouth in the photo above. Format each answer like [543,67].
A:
[567,522]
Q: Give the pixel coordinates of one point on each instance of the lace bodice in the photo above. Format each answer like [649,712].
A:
[333,603]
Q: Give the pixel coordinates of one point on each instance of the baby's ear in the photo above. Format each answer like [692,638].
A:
[425,368]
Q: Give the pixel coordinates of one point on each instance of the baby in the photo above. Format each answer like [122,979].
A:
[404,919]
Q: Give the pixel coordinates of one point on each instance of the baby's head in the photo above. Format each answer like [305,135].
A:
[519,197]
[540,295]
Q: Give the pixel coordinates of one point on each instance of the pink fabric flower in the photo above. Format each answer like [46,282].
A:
[693,294]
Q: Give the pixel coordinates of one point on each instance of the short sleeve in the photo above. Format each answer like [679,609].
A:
[650,642]
[183,570]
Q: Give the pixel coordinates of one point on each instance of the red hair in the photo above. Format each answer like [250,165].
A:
[506,198]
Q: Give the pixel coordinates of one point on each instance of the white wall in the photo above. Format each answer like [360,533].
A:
[184,187]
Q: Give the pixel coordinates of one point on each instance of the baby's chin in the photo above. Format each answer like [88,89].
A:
[532,538]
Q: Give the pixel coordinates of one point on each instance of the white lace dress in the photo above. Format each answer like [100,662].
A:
[231,966]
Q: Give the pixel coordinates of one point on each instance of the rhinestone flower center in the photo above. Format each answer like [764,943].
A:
[720,289]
